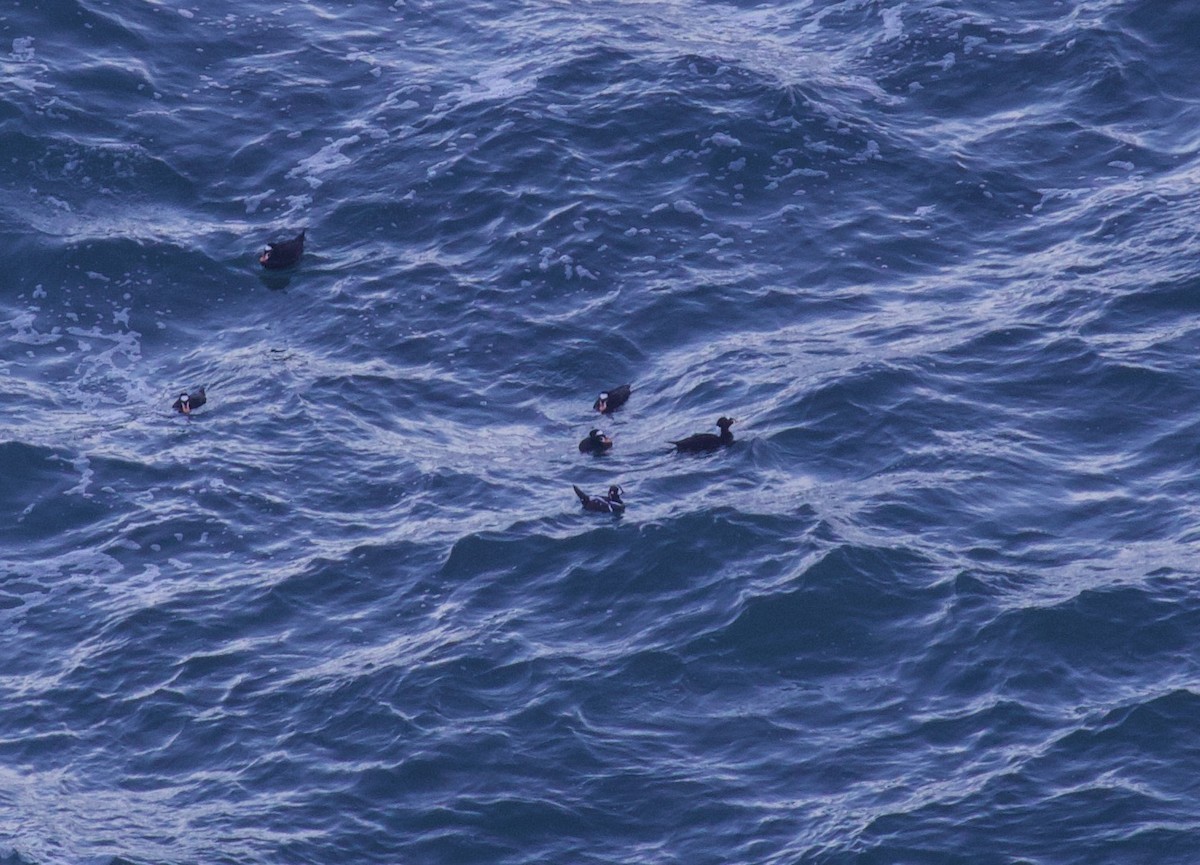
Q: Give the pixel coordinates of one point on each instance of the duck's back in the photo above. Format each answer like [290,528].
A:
[699,442]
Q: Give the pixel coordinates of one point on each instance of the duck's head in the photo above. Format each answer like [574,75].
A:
[725,423]
[267,259]
[185,403]
[601,404]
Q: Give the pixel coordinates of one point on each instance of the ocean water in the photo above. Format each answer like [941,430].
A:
[939,603]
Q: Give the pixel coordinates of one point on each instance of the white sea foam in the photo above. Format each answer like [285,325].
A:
[22,49]
[329,158]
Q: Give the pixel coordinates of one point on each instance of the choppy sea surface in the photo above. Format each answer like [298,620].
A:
[939,603]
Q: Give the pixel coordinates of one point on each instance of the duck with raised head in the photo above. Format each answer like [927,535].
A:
[702,442]
[611,400]
[284,253]
[595,443]
[189,402]
[611,503]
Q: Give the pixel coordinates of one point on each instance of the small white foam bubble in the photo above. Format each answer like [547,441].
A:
[82,465]
[22,49]
[328,158]
[253,201]
[26,334]
[893,27]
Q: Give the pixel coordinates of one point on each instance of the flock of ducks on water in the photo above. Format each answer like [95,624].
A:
[598,443]
[286,253]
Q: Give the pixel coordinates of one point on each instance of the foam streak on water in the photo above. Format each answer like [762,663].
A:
[938,603]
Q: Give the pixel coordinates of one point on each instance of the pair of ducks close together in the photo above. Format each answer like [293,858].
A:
[599,443]
[277,256]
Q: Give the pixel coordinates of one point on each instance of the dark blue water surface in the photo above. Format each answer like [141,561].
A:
[940,603]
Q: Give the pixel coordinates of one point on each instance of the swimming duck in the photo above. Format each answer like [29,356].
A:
[707,441]
[595,443]
[606,504]
[187,403]
[283,254]
[611,400]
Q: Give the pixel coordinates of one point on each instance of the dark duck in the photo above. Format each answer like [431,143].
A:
[595,443]
[606,504]
[611,400]
[701,442]
[283,254]
[189,402]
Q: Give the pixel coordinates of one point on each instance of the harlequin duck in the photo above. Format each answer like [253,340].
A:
[595,443]
[283,254]
[187,403]
[611,400]
[707,441]
[606,504]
